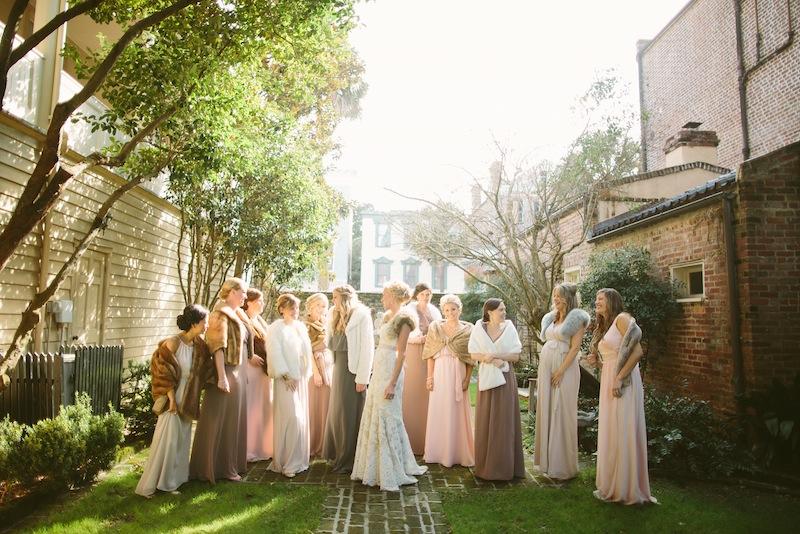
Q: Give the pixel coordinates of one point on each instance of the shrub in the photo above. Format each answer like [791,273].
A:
[11,434]
[685,438]
[774,424]
[631,271]
[136,402]
[73,447]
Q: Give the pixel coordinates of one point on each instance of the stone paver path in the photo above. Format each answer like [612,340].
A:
[354,508]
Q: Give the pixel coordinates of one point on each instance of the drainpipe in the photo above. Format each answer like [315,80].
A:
[641,46]
[733,299]
[737,13]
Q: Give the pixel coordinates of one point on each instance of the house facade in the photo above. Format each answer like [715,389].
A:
[385,256]
[126,289]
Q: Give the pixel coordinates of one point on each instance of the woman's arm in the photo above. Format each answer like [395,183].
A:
[634,358]
[467,378]
[222,378]
[429,380]
[173,406]
[574,347]
[402,343]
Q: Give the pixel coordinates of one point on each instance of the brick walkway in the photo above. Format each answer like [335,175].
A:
[354,508]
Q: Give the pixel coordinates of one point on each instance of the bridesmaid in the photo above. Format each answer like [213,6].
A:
[259,385]
[559,377]
[498,432]
[289,362]
[622,434]
[415,400]
[220,439]
[351,340]
[180,368]
[319,387]
[448,438]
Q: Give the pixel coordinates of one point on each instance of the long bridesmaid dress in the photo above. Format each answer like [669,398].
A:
[622,435]
[415,400]
[556,439]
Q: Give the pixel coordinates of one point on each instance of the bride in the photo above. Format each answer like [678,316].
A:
[383,453]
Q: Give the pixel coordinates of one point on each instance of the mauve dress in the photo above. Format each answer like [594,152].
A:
[220,440]
[259,414]
[415,398]
[556,441]
[344,411]
[319,397]
[622,434]
[498,432]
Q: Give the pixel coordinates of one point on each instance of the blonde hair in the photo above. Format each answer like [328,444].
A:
[568,292]
[341,312]
[231,284]
[399,290]
[286,300]
[450,299]
[313,299]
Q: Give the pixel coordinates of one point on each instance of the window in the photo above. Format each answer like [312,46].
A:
[572,275]
[383,271]
[383,235]
[411,271]
[690,279]
[439,276]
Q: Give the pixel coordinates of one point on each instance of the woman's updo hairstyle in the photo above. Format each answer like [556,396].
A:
[490,305]
[287,300]
[192,314]
[399,290]
[419,288]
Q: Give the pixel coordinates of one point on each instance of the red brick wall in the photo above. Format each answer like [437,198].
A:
[690,72]
[696,359]
[768,243]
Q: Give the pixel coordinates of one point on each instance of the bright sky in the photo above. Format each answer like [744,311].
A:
[448,77]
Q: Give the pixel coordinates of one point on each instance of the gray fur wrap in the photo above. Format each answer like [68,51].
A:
[575,320]
[629,341]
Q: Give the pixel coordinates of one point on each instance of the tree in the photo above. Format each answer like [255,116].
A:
[155,77]
[516,240]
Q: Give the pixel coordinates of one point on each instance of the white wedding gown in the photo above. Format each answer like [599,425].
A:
[383,454]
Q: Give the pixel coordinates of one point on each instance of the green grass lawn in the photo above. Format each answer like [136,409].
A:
[695,507]
[112,506]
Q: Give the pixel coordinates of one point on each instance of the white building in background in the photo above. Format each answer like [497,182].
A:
[334,268]
[385,256]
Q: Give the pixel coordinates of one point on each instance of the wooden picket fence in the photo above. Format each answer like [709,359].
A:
[98,372]
[35,389]
[41,383]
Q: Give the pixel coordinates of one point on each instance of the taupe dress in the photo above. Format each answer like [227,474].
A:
[415,398]
[344,411]
[220,440]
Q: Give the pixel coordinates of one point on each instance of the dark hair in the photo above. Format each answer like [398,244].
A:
[419,288]
[253,294]
[192,314]
[490,305]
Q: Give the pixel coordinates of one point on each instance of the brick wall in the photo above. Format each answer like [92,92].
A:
[690,73]
[696,359]
[768,243]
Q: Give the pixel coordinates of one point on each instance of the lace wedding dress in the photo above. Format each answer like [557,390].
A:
[383,454]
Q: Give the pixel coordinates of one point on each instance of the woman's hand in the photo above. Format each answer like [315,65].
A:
[592,360]
[361,388]
[555,380]
[291,384]
[173,406]
[388,393]
[497,362]
[318,380]
[465,383]
[223,384]
[617,389]
[256,361]
[429,383]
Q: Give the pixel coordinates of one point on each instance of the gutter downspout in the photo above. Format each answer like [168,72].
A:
[641,46]
[742,81]
[733,300]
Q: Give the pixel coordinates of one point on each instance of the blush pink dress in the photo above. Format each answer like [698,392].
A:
[622,435]
[448,438]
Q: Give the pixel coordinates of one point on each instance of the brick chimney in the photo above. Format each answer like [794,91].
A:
[690,145]
[495,175]
[476,197]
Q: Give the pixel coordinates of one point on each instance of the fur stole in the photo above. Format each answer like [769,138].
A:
[398,321]
[316,333]
[166,374]
[632,337]
[574,321]
[458,343]
[224,332]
